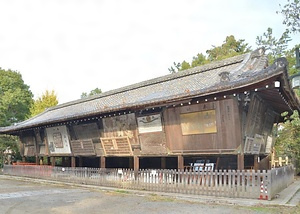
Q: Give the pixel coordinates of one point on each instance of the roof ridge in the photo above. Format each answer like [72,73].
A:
[164,78]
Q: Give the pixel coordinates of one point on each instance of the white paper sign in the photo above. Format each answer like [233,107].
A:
[150,123]
[58,140]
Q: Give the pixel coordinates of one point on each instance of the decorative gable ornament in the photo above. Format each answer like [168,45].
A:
[224,76]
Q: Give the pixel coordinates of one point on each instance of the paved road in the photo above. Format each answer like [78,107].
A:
[24,196]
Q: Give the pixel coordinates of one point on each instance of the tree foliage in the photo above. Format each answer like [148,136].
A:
[15,101]
[291,13]
[198,60]
[92,92]
[47,100]
[288,141]
[8,144]
[15,98]
[274,47]
[230,47]
[177,67]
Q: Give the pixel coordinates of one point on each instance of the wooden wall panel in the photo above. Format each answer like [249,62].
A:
[89,131]
[86,131]
[151,134]
[153,143]
[260,120]
[173,129]
[227,137]
[229,125]
[29,142]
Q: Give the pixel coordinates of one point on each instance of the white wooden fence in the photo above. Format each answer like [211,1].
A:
[226,183]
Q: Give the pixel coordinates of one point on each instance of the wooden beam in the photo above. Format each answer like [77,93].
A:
[163,162]
[180,160]
[136,164]
[80,161]
[217,163]
[37,160]
[73,161]
[255,167]
[131,164]
[240,162]
[63,161]
[52,161]
[102,162]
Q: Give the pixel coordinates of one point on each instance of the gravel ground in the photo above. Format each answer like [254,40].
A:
[24,196]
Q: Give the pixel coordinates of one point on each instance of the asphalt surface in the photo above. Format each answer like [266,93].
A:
[25,195]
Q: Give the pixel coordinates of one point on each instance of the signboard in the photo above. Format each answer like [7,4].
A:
[252,145]
[150,123]
[58,140]
[258,143]
[269,145]
[198,122]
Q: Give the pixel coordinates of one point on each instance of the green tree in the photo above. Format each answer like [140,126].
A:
[15,101]
[92,92]
[288,141]
[177,67]
[15,98]
[291,13]
[198,60]
[9,143]
[47,100]
[185,65]
[274,47]
[230,47]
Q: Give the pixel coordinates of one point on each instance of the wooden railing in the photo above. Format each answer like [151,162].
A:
[226,183]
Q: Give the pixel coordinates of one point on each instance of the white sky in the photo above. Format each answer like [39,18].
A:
[74,46]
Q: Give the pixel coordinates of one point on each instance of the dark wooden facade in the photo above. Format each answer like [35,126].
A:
[180,121]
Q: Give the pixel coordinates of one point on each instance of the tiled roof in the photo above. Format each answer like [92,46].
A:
[199,81]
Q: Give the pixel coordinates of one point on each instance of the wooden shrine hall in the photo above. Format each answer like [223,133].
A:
[221,113]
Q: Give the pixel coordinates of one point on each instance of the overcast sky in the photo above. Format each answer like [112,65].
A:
[77,45]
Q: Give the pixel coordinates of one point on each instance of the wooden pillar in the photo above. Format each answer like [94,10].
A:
[80,161]
[63,161]
[130,164]
[37,160]
[136,164]
[240,162]
[48,161]
[73,162]
[52,161]
[255,167]
[217,163]
[67,162]
[163,162]
[180,160]
[102,162]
